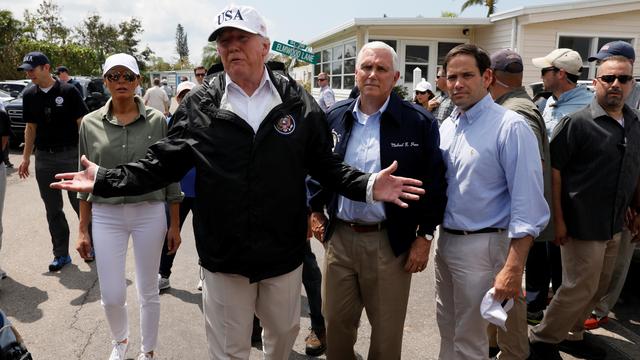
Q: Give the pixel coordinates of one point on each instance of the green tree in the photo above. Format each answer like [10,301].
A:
[182,46]
[490,4]
[448,14]
[210,54]
[11,30]
[45,23]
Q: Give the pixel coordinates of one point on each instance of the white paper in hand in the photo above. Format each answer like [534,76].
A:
[494,311]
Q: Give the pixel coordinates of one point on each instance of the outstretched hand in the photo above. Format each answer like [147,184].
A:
[395,189]
[81,181]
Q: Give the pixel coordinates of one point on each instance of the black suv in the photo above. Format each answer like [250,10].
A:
[95,95]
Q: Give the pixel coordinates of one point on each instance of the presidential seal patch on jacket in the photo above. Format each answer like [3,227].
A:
[285,125]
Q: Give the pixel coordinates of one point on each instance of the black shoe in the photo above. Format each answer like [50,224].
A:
[256,334]
[584,349]
[8,165]
[543,351]
[493,352]
[315,342]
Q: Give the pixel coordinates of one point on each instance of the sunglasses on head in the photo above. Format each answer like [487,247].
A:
[609,79]
[115,76]
[543,71]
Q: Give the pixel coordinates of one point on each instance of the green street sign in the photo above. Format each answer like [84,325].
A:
[298,45]
[294,53]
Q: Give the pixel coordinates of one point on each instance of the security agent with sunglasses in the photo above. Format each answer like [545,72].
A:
[595,169]
[560,71]
[600,313]
[253,136]
[52,110]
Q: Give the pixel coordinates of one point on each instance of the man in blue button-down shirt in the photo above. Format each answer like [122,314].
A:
[495,206]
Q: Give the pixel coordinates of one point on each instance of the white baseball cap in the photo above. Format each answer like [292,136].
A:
[185,85]
[240,17]
[423,86]
[121,59]
[565,59]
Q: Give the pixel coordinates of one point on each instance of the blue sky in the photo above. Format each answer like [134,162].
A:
[286,19]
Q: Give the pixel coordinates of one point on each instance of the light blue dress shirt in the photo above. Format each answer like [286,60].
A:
[569,102]
[363,153]
[494,173]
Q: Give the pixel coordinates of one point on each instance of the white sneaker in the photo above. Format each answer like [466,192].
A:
[163,283]
[119,350]
[3,274]
[144,356]
[199,285]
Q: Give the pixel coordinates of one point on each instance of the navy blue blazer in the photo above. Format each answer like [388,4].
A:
[408,134]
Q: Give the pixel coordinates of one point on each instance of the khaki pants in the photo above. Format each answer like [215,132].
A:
[229,302]
[361,271]
[586,272]
[513,343]
[619,275]
[466,266]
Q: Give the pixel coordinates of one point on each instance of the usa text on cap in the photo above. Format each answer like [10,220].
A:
[33,59]
[240,17]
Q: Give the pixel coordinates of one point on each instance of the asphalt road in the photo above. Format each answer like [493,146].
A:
[60,316]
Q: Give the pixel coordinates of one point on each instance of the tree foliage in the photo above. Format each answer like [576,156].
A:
[210,54]
[490,4]
[448,14]
[182,46]
[82,49]
[45,23]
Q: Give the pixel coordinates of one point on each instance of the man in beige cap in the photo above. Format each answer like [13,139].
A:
[560,71]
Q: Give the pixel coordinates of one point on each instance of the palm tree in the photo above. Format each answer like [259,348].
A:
[490,4]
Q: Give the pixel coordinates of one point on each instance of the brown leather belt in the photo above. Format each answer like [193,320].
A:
[480,231]
[365,228]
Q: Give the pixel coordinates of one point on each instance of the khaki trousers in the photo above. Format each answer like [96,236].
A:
[361,271]
[618,276]
[229,302]
[586,272]
[513,343]
[466,266]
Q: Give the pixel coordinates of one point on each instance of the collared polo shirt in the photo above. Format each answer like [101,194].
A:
[599,162]
[56,113]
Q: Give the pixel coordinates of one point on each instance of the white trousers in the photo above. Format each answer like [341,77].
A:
[466,266]
[146,223]
[229,302]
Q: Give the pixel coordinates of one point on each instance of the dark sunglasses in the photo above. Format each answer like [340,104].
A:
[609,79]
[321,79]
[200,74]
[421,92]
[115,76]
[543,71]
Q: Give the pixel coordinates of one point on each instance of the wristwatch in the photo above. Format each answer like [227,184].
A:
[424,234]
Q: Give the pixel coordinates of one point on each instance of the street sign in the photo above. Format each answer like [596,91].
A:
[294,53]
[298,45]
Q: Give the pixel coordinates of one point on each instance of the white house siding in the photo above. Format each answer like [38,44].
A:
[542,38]
[496,37]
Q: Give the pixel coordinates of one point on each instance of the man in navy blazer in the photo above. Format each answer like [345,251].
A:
[373,248]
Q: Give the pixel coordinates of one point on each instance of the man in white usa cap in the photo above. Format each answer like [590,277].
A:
[253,136]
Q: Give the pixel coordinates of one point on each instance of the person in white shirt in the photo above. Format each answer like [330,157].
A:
[327,97]
[157,98]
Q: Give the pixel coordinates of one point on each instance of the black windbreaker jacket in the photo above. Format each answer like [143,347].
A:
[250,208]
